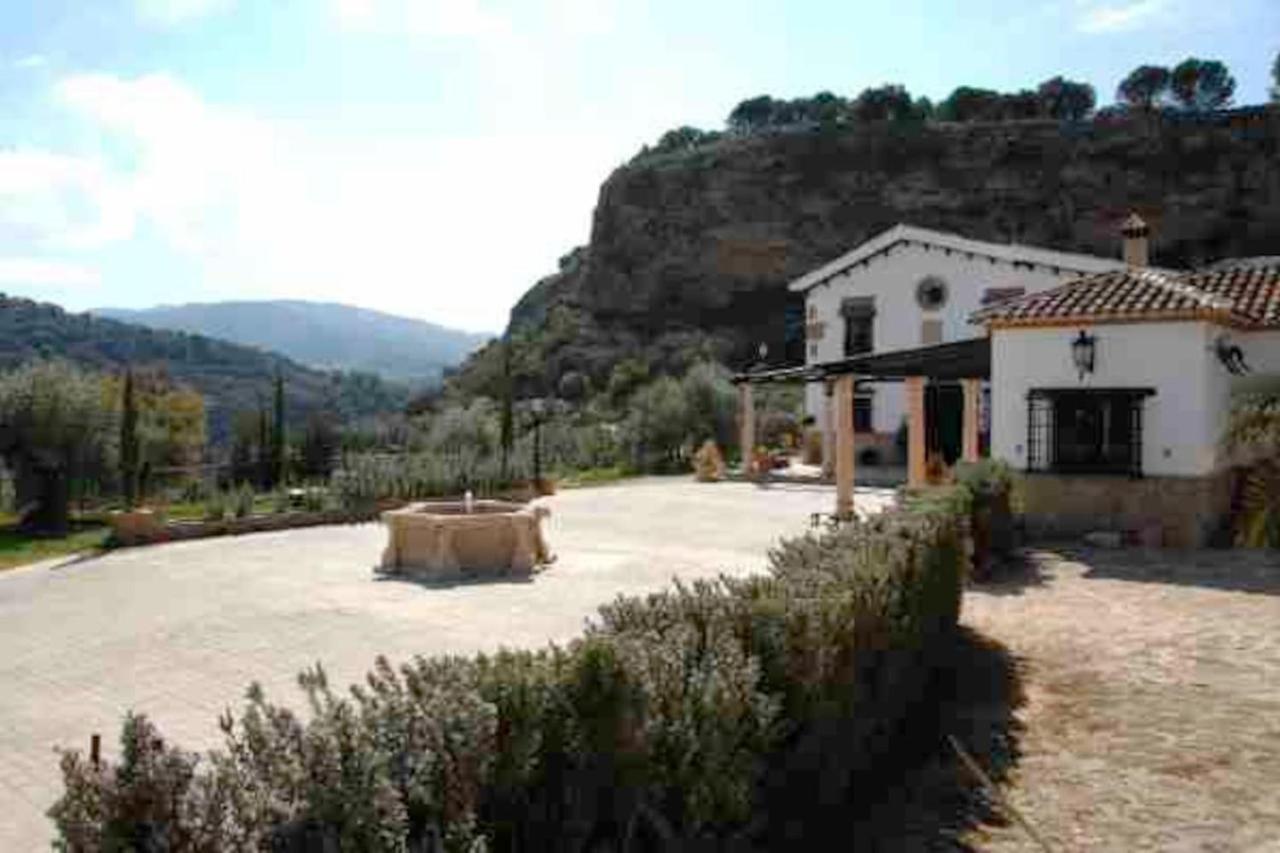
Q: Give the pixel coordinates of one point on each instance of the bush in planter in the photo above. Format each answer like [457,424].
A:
[708,463]
[988,487]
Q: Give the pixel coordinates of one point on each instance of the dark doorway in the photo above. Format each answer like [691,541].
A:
[944,420]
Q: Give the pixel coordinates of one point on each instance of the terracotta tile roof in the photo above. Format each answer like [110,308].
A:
[1240,296]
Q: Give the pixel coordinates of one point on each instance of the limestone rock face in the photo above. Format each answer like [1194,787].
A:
[690,253]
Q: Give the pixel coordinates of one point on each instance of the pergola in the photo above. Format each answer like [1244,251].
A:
[967,362]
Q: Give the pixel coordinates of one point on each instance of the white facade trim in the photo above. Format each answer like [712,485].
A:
[1008,252]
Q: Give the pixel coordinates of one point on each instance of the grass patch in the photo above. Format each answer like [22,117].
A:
[18,549]
[593,477]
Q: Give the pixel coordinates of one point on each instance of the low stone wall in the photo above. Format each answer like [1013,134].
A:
[129,529]
[1177,512]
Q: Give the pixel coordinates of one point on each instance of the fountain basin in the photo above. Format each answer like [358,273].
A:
[442,539]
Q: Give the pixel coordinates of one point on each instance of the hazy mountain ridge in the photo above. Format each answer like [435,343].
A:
[325,335]
[231,377]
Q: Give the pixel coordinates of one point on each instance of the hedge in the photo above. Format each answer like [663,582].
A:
[684,717]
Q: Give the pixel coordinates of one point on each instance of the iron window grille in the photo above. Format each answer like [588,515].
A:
[1085,431]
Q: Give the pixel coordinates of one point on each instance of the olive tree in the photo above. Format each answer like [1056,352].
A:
[56,426]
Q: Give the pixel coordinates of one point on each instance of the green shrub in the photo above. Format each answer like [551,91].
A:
[680,715]
[243,505]
[216,504]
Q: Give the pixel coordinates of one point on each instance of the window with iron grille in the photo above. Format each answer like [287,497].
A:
[1093,431]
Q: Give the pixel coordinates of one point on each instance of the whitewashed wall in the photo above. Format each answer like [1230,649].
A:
[1182,423]
[892,279]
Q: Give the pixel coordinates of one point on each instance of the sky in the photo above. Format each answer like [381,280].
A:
[434,158]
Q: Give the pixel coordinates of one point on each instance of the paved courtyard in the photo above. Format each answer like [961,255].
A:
[1152,715]
[180,630]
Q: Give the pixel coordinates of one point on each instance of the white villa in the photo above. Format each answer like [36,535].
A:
[910,287]
[1107,381]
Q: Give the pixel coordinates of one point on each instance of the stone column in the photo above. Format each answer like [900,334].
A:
[970,444]
[844,445]
[915,431]
[747,425]
[828,429]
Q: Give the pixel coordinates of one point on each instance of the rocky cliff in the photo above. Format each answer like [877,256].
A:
[690,253]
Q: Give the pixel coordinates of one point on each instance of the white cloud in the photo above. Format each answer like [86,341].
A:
[60,202]
[31,60]
[1109,18]
[45,272]
[168,13]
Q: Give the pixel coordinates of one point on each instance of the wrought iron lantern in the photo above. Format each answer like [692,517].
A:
[1084,352]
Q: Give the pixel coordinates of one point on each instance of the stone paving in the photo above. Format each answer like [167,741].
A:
[180,630]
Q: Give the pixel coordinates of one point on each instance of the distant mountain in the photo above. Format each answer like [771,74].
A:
[230,376]
[321,334]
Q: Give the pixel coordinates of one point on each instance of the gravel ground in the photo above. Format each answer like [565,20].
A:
[1152,699]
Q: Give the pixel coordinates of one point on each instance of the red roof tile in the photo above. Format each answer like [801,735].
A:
[1240,295]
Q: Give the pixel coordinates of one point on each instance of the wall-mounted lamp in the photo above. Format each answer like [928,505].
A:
[1084,352]
[1231,356]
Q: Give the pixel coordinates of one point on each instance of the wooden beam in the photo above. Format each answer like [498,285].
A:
[970,447]
[747,425]
[844,446]
[915,431]
[828,429]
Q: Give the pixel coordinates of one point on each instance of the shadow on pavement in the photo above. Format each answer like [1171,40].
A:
[937,803]
[1234,570]
[1014,575]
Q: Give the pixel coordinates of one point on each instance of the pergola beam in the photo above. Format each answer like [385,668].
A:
[844,446]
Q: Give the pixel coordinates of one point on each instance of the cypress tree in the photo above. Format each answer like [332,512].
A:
[130,451]
[264,444]
[507,423]
[278,455]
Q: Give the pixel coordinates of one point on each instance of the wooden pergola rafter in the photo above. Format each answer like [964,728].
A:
[967,362]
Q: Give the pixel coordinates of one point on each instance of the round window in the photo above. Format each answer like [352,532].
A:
[931,293]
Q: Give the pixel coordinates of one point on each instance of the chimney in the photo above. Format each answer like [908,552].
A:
[1135,233]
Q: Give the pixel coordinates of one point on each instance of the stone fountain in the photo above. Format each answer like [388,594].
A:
[439,540]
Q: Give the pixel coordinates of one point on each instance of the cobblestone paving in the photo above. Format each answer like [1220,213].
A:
[180,630]
[1152,719]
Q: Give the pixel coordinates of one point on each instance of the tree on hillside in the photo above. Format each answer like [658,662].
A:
[1061,98]
[890,102]
[56,426]
[1275,79]
[967,103]
[130,443]
[752,114]
[1145,87]
[826,109]
[684,138]
[1202,84]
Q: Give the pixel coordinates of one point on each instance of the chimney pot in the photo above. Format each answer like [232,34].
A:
[1136,241]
